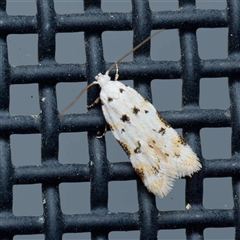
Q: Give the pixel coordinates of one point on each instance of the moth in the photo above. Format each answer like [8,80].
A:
[158,154]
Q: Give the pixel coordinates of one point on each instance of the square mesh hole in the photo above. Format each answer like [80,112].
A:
[167,94]
[75,197]
[21,7]
[214,93]
[25,149]
[115,153]
[179,234]
[125,235]
[68,7]
[29,237]
[116,44]
[66,93]
[216,143]
[24,99]
[213,4]
[73,148]
[116,6]
[123,196]
[166,46]
[163,5]
[212,43]
[27,200]
[22,49]
[215,197]
[175,200]
[219,233]
[75,236]
[70,48]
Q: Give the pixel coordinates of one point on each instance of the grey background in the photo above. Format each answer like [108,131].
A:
[75,197]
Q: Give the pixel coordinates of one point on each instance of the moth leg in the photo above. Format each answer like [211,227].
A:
[94,103]
[116,74]
[105,130]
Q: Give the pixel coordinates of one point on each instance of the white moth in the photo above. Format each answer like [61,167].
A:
[157,152]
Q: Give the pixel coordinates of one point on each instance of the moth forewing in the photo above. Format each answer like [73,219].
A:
[157,152]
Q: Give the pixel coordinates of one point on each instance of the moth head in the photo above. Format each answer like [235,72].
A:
[103,79]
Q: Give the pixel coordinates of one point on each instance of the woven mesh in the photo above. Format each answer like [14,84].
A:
[97,170]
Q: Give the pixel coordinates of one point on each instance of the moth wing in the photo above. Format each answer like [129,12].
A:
[158,165]
[158,154]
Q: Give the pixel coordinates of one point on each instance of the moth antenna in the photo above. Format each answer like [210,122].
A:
[77,97]
[118,61]
[134,49]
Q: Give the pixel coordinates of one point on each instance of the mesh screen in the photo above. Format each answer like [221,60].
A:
[97,170]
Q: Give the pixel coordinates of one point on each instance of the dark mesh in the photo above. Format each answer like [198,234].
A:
[148,220]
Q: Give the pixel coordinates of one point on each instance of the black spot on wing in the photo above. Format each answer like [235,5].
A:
[121,90]
[150,145]
[135,110]
[146,111]
[110,99]
[156,169]
[123,130]
[125,118]
[162,131]
[138,148]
